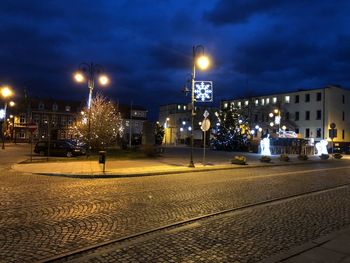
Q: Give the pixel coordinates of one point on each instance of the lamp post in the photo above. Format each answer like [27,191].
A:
[6,93]
[202,62]
[88,71]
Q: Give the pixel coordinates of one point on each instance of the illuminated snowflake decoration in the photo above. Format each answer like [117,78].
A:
[203,91]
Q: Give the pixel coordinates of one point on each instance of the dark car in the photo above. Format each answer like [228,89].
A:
[59,148]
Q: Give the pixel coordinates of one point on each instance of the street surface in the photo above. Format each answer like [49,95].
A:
[44,217]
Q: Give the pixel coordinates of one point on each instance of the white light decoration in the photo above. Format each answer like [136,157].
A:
[271,114]
[271,124]
[277,120]
[252,132]
[321,147]
[203,91]
[189,128]
[183,123]
[2,113]
[181,129]
[265,146]
[218,124]
[284,127]
[260,129]
[257,127]
[240,121]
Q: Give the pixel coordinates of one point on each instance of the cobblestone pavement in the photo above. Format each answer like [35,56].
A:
[41,217]
[245,236]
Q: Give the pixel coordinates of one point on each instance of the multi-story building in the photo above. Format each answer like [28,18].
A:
[55,117]
[308,113]
[133,118]
[176,119]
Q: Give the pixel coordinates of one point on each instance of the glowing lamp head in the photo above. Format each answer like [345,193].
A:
[276,111]
[284,127]
[6,92]
[203,62]
[79,77]
[104,80]
[12,104]
[271,124]
[271,114]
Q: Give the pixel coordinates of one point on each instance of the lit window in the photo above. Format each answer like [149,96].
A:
[179,107]
[246,103]
[67,108]
[225,105]
[256,102]
[274,100]
[262,101]
[239,104]
[287,99]
[232,104]
[185,107]
[267,100]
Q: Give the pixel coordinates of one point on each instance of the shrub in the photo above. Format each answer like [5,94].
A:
[303,157]
[324,156]
[337,156]
[239,160]
[284,157]
[265,159]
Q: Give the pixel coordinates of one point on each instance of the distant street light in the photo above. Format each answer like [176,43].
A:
[6,93]
[202,61]
[87,71]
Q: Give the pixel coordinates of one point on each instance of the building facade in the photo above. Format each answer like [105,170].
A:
[308,113]
[176,120]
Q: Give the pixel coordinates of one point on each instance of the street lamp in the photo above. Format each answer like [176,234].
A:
[202,61]
[87,71]
[6,93]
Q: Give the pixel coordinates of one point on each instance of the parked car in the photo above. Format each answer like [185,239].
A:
[59,148]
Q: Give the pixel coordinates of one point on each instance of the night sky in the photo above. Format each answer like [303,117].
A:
[257,47]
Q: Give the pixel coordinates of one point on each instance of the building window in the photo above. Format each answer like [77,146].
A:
[296,130]
[287,116]
[274,100]
[54,107]
[246,103]
[307,115]
[343,116]
[307,97]
[318,114]
[343,99]
[41,106]
[256,102]
[268,101]
[22,118]
[22,135]
[263,102]
[343,134]
[318,96]
[239,104]
[179,106]
[256,117]
[332,133]
[318,132]
[36,118]
[297,115]
[296,99]
[307,132]
[67,108]
[225,105]
[262,117]
[185,107]
[287,99]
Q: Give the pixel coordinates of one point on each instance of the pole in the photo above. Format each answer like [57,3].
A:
[31,146]
[205,133]
[4,126]
[91,82]
[191,164]
[130,125]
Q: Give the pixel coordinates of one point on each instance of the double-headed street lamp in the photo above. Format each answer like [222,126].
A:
[87,71]
[6,93]
[202,61]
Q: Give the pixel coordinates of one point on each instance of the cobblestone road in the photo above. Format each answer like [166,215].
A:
[41,217]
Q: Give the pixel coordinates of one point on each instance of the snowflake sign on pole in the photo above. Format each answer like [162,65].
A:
[203,91]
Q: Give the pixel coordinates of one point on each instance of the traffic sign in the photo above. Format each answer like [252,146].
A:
[205,124]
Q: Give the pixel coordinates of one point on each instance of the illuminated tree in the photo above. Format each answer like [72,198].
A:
[105,124]
[232,131]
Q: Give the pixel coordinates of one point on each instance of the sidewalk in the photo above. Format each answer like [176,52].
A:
[333,248]
[169,164]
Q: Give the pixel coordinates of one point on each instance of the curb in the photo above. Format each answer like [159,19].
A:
[190,170]
[298,250]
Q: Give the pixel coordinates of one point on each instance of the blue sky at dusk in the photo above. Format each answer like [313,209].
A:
[257,47]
